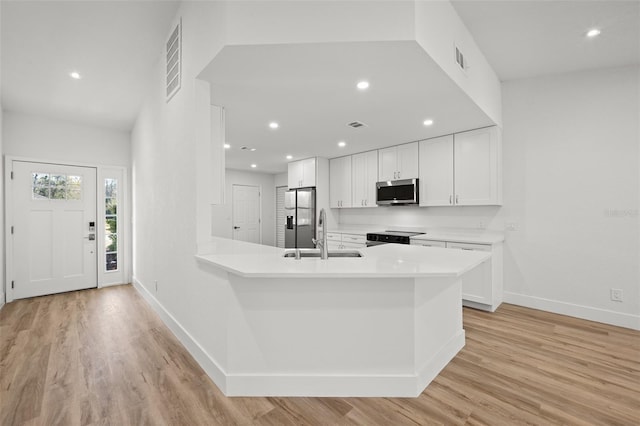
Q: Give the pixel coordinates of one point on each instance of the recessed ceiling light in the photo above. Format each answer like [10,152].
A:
[289,157]
[594,32]
[75,75]
[274,125]
[253,166]
[342,144]
[362,85]
[252,149]
[227,146]
[428,122]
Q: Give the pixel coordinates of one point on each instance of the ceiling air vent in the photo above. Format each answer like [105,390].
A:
[356,124]
[174,61]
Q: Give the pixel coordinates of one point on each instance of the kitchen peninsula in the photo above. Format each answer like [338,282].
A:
[384,324]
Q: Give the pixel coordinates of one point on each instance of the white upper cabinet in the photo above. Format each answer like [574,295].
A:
[463,169]
[364,175]
[302,173]
[436,171]
[477,165]
[398,162]
[340,182]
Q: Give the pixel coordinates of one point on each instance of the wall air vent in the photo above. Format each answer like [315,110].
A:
[174,61]
[460,58]
[356,124]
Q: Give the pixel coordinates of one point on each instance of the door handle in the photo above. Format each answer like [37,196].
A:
[91,237]
[236,227]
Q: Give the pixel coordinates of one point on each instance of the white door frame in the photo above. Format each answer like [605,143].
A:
[8,215]
[259,210]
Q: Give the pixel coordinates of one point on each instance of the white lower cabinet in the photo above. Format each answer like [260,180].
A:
[429,243]
[341,241]
[482,287]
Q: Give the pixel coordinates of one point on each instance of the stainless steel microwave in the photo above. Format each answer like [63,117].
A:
[397,192]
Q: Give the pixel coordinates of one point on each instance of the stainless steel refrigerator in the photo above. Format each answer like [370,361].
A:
[300,214]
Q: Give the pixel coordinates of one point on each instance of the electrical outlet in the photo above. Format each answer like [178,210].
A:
[156,281]
[481,225]
[512,226]
[616,294]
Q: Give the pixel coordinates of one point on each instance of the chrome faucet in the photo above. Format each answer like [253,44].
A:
[322,235]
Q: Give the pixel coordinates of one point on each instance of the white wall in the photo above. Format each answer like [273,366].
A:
[277,21]
[38,137]
[571,185]
[438,30]
[2,260]
[571,147]
[281,179]
[222,214]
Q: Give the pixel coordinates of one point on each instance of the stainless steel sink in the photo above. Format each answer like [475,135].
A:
[315,253]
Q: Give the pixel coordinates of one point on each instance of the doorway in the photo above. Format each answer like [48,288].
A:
[53,228]
[247,214]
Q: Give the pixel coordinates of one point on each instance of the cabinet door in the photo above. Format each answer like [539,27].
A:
[436,171]
[309,172]
[476,284]
[334,245]
[340,182]
[358,239]
[364,176]
[388,164]
[353,246]
[407,158]
[370,179]
[477,175]
[294,175]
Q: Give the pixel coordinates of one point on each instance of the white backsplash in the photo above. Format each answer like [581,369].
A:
[485,217]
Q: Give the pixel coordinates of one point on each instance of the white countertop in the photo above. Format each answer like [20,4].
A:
[462,235]
[388,260]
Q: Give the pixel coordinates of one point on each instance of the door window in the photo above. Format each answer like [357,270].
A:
[111,224]
[53,186]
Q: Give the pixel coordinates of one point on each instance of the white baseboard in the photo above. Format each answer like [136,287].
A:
[205,361]
[584,312]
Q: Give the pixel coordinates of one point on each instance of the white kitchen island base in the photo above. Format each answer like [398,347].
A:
[383,325]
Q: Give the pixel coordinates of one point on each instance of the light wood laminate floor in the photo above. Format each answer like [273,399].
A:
[104,357]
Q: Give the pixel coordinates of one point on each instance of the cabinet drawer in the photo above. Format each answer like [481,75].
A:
[334,236]
[469,246]
[354,238]
[428,243]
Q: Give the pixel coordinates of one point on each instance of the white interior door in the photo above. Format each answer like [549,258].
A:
[246,213]
[54,244]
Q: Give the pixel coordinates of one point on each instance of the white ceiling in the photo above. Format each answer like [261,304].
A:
[522,39]
[310,90]
[112,44]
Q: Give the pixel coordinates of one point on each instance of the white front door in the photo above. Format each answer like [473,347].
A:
[54,228]
[246,213]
